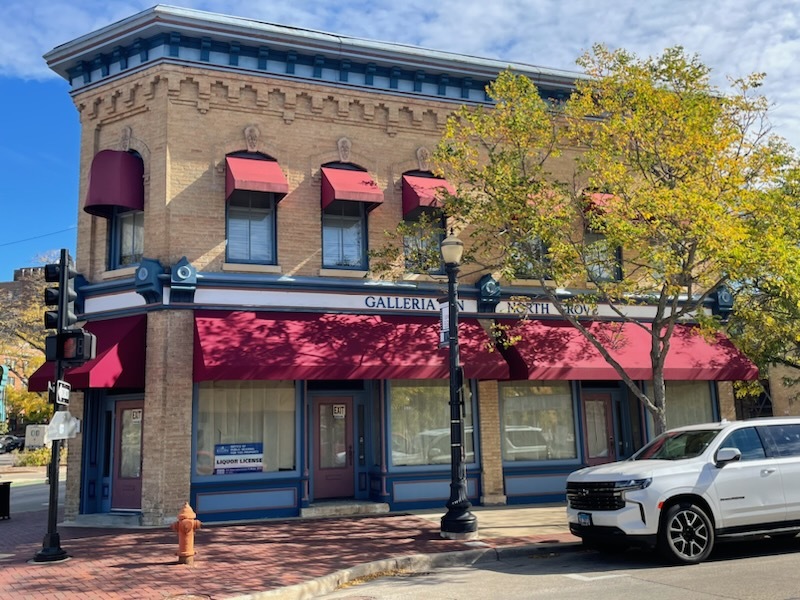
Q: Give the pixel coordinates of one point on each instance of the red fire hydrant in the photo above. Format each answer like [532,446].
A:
[186,525]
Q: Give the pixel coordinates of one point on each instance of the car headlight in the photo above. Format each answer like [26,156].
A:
[628,485]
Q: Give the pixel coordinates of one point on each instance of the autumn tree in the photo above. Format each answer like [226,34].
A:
[683,177]
[22,337]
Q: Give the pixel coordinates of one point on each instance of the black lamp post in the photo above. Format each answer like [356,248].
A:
[458,523]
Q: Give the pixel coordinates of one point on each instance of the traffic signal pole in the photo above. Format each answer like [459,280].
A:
[51,544]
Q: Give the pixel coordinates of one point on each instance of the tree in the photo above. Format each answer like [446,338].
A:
[22,337]
[33,407]
[685,179]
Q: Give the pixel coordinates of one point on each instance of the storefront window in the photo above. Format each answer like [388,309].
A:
[688,402]
[420,423]
[538,421]
[246,427]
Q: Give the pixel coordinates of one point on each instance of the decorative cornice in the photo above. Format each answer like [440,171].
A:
[286,99]
[194,38]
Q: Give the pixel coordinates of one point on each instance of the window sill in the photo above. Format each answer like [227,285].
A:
[118,273]
[424,277]
[248,268]
[343,273]
[533,282]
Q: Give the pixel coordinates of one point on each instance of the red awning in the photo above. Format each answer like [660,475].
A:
[239,345]
[346,184]
[115,181]
[254,175]
[422,191]
[119,362]
[555,350]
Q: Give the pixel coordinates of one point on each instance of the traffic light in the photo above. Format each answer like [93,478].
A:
[73,345]
[62,297]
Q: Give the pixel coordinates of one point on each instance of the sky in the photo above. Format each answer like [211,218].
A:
[39,129]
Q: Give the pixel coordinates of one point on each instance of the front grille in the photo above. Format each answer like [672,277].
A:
[594,496]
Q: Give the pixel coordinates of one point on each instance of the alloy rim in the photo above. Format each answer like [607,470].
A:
[688,534]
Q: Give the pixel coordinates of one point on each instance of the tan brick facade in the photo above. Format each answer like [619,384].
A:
[491,448]
[182,119]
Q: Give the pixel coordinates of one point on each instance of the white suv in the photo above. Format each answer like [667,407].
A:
[691,486]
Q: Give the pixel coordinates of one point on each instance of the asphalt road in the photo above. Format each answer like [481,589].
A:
[753,570]
[33,496]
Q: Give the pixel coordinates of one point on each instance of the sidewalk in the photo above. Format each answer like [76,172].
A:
[295,558]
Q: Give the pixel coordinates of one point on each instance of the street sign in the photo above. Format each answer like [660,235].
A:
[62,392]
[444,323]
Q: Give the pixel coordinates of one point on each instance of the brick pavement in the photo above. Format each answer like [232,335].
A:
[232,559]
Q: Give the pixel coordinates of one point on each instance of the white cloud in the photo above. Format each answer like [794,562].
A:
[734,37]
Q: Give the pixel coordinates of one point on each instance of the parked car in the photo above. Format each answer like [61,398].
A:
[432,447]
[524,442]
[9,443]
[691,487]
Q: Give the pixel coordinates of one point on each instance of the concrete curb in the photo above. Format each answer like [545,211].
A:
[414,563]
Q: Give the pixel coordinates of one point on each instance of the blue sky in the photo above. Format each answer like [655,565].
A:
[39,132]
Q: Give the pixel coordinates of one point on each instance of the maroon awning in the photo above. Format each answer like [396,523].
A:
[242,345]
[254,175]
[422,192]
[115,181]
[555,350]
[119,362]
[346,184]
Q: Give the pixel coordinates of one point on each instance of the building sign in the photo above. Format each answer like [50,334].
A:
[379,303]
[238,458]
[339,411]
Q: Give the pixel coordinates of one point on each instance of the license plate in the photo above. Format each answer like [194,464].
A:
[585,519]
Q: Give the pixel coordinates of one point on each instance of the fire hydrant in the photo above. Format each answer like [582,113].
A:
[186,525]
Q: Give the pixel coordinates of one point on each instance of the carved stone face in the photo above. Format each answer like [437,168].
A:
[344,145]
[251,134]
[424,158]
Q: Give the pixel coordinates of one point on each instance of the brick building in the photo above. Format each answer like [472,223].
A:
[234,176]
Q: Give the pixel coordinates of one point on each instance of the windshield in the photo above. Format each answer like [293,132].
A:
[677,445]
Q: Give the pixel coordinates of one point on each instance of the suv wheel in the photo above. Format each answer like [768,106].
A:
[686,535]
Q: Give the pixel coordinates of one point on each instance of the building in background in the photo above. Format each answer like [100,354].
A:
[234,176]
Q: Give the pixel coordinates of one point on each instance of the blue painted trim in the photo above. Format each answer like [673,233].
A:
[286,62]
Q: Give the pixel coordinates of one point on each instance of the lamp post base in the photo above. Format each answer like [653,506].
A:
[51,550]
[459,524]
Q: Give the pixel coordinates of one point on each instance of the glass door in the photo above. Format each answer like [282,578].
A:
[126,484]
[598,428]
[334,470]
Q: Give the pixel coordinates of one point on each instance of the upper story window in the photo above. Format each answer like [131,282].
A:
[344,232]
[116,193]
[422,213]
[422,242]
[603,260]
[251,228]
[126,238]
[348,194]
[254,184]
[531,260]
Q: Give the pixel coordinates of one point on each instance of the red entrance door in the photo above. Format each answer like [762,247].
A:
[126,483]
[598,428]
[333,448]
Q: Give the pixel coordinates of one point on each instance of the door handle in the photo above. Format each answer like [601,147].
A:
[768,471]
[350,455]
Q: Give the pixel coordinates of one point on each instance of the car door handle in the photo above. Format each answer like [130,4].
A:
[768,471]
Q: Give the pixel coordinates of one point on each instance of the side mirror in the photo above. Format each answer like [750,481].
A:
[727,455]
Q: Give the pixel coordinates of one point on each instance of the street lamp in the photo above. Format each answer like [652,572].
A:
[458,523]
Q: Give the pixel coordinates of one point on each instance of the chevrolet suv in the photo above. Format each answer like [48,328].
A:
[692,486]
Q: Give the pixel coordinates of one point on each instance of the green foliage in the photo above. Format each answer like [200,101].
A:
[38,457]
[32,406]
[411,248]
[684,177]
